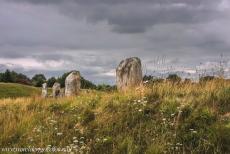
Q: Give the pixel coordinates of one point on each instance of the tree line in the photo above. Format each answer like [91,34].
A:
[38,79]
[177,79]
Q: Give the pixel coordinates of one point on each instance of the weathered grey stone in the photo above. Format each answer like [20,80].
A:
[129,74]
[44,90]
[56,89]
[73,84]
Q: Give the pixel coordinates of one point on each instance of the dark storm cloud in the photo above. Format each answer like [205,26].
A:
[93,2]
[135,16]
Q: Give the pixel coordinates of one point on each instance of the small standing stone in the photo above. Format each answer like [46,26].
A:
[44,90]
[56,90]
[73,84]
[129,74]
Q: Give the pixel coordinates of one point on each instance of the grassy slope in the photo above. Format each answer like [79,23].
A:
[17,90]
[189,118]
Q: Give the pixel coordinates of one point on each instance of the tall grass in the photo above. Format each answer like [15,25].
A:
[159,118]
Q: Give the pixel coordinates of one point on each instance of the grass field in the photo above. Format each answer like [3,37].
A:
[159,118]
[14,90]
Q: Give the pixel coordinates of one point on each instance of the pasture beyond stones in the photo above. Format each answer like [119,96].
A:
[14,90]
[161,117]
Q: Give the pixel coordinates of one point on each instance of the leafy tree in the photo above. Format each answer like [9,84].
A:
[86,84]
[148,77]
[152,79]
[187,80]
[1,77]
[206,78]
[105,87]
[7,76]
[38,80]
[23,79]
[14,77]
[173,78]
[51,81]
[61,79]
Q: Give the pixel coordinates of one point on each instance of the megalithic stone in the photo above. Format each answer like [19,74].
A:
[129,74]
[73,84]
[44,90]
[56,90]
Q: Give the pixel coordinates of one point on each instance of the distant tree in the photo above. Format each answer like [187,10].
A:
[173,78]
[7,77]
[1,77]
[61,79]
[206,78]
[14,77]
[23,79]
[105,87]
[38,80]
[148,77]
[86,84]
[51,81]
[187,80]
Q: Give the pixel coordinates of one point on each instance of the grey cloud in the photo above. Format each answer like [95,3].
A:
[93,36]
[53,56]
[135,16]
[93,2]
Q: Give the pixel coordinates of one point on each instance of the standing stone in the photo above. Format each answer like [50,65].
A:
[56,89]
[73,84]
[129,73]
[44,90]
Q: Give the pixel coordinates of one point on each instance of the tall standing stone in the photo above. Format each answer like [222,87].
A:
[73,84]
[56,89]
[44,90]
[129,74]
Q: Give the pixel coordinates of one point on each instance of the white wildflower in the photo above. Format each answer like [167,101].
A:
[105,139]
[53,121]
[59,134]
[194,132]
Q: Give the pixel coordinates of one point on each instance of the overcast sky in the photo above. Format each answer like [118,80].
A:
[93,36]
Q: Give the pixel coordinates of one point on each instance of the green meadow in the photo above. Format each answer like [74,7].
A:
[162,117]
